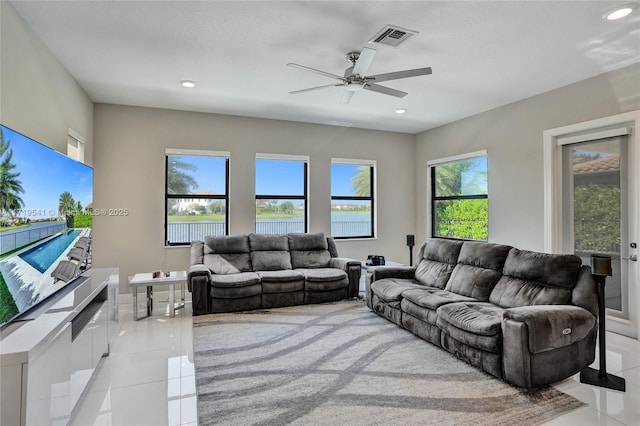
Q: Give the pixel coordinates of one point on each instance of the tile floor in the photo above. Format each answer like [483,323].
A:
[148,379]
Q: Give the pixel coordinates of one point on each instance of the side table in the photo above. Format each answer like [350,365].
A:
[146,280]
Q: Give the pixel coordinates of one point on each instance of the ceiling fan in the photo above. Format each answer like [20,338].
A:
[355,78]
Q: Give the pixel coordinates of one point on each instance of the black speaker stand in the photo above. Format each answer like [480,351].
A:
[600,377]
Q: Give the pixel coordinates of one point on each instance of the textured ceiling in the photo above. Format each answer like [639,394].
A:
[483,54]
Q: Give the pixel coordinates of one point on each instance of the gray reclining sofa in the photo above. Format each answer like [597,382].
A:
[243,272]
[525,317]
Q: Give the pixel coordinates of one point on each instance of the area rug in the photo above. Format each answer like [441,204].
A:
[339,363]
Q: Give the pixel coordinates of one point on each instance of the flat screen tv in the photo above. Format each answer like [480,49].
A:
[45,223]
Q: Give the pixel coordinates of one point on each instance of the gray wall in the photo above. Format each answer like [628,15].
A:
[38,96]
[512,135]
[130,144]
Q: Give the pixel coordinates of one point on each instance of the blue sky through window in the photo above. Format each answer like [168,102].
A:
[279,177]
[210,172]
[341,176]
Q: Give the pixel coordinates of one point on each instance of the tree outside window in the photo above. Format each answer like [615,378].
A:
[460,206]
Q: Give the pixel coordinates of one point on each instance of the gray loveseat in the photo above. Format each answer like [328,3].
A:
[525,317]
[243,272]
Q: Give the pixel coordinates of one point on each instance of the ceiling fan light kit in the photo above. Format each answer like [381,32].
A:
[355,77]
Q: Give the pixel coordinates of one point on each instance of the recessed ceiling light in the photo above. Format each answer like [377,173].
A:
[188,83]
[400,110]
[619,12]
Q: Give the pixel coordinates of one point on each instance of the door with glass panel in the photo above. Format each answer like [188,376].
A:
[597,200]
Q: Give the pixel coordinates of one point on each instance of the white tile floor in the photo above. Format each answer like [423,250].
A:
[149,378]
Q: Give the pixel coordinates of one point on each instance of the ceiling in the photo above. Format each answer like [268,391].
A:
[484,54]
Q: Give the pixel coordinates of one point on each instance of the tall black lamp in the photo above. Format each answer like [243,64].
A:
[411,241]
[601,269]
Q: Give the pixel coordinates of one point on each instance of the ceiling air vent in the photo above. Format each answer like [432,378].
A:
[392,35]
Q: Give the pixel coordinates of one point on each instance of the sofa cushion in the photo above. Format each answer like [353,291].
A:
[513,292]
[472,281]
[531,278]
[231,263]
[390,289]
[438,258]
[558,270]
[227,254]
[270,260]
[237,293]
[284,275]
[226,244]
[269,252]
[242,279]
[423,314]
[233,286]
[268,242]
[283,281]
[324,279]
[477,324]
[478,270]
[433,298]
[315,241]
[309,250]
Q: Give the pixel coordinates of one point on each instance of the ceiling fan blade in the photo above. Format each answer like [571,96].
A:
[385,90]
[314,88]
[364,61]
[399,74]
[346,96]
[326,74]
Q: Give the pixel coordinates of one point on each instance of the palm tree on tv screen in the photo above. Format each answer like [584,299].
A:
[10,185]
[66,206]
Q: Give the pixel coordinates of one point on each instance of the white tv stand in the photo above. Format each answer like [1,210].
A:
[47,362]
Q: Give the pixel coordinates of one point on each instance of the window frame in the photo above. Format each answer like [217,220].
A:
[167,196]
[432,165]
[371,198]
[304,197]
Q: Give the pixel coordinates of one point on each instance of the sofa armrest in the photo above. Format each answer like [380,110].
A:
[197,270]
[380,272]
[343,263]
[198,278]
[546,343]
[552,326]
[353,268]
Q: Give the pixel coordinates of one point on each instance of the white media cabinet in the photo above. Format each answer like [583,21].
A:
[47,362]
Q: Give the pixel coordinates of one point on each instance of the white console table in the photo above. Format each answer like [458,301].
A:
[46,362]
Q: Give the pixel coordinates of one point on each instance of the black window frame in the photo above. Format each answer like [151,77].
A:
[370,198]
[304,197]
[435,198]
[168,196]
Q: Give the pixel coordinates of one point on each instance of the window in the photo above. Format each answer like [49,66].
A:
[352,207]
[75,145]
[459,198]
[196,195]
[281,194]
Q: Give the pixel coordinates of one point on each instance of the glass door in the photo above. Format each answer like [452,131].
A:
[596,199]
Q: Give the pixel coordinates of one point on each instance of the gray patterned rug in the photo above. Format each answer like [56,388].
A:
[339,363]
